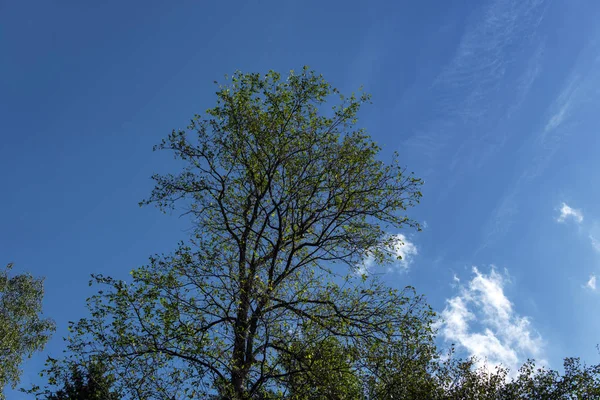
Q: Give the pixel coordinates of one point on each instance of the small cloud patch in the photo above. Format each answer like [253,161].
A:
[591,284]
[402,249]
[567,213]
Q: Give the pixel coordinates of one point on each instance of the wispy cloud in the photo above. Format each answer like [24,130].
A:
[576,215]
[595,243]
[591,283]
[500,51]
[401,248]
[569,213]
[543,146]
[482,321]
[575,103]
[594,235]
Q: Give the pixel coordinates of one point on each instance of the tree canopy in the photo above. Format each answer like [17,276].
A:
[82,382]
[23,330]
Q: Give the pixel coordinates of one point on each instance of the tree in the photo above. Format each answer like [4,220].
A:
[23,331]
[83,382]
[579,381]
[456,379]
[402,369]
[286,202]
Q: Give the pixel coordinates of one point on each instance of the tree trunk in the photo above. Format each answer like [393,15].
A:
[240,370]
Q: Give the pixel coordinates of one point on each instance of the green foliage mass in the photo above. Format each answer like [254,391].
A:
[23,330]
[83,382]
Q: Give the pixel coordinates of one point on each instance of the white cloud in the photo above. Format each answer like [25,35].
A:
[365,267]
[404,250]
[481,320]
[567,212]
[591,284]
[400,247]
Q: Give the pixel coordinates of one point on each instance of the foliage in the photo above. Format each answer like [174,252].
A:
[578,381]
[402,369]
[329,370]
[457,379]
[23,331]
[83,382]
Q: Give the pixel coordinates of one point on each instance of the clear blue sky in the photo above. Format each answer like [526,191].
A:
[494,103]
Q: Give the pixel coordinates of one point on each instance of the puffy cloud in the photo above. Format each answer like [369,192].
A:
[481,320]
[567,212]
[403,249]
[591,284]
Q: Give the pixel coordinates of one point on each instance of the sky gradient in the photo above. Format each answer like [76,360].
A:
[493,103]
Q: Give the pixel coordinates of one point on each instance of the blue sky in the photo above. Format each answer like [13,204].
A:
[494,103]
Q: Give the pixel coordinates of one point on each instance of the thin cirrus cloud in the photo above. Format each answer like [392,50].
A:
[595,243]
[568,213]
[594,235]
[481,320]
[574,106]
[470,92]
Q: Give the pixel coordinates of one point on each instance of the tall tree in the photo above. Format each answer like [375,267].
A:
[23,330]
[284,198]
